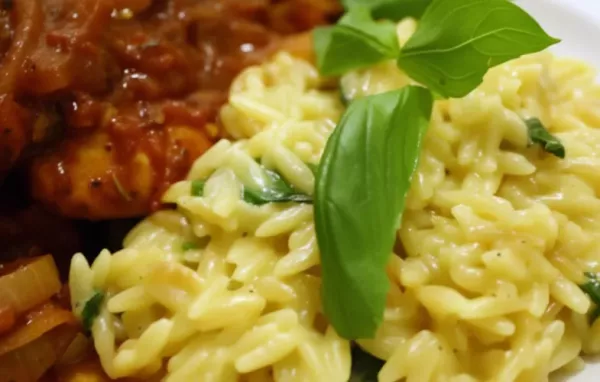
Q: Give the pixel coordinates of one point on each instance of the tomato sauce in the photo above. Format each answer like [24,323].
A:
[115,99]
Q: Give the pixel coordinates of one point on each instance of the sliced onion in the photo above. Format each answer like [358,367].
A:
[36,323]
[7,318]
[30,362]
[29,284]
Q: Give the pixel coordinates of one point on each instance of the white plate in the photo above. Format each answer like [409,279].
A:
[577,24]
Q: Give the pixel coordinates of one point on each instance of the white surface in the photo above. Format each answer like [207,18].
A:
[577,24]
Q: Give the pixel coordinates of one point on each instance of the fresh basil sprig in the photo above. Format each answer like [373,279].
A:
[391,9]
[368,162]
[539,134]
[277,191]
[362,183]
[356,41]
[457,41]
[592,288]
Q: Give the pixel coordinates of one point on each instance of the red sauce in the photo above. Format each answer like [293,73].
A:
[131,85]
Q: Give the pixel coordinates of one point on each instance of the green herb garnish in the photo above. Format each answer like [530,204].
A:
[356,41]
[278,190]
[592,288]
[457,41]
[369,159]
[188,245]
[91,310]
[391,9]
[197,187]
[539,134]
[363,180]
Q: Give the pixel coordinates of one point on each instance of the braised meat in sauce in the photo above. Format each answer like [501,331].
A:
[106,103]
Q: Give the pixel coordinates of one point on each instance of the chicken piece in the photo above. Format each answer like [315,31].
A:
[138,85]
[122,169]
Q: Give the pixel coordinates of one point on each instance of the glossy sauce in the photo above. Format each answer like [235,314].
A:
[134,87]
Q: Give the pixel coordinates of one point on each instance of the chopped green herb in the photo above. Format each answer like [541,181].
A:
[188,245]
[365,367]
[355,42]
[391,9]
[197,187]
[91,310]
[279,191]
[592,288]
[540,135]
[361,187]
[457,41]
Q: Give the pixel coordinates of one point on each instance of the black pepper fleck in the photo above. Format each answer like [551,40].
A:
[96,183]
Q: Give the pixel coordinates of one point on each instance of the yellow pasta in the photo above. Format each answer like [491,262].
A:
[495,239]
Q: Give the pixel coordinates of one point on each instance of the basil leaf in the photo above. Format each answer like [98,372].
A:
[91,310]
[592,289]
[391,9]
[365,367]
[361,187]
[457,41]
[197,188]
[355,42]
[279,191]
[540,135]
